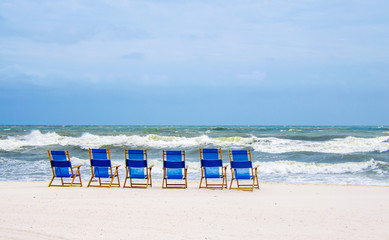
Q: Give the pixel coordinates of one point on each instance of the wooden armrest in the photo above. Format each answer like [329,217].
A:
[225,166]
[77,166]
[256,167]
[151,166]
[117,166]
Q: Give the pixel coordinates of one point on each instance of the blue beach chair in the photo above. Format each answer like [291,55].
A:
[212,168]
[100,161]
[174,169]
[242,169]
[61,167]
[137,168]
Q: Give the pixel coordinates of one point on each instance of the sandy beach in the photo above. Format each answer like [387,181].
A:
[31,210]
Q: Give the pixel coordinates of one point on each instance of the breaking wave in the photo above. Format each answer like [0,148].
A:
[260,144]
[293,167]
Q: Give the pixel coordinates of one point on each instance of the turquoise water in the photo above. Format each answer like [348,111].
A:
[339,155]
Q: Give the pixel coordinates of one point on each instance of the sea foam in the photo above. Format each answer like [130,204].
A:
[293,167]
[154,141]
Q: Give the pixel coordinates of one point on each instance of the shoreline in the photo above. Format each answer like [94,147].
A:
[193,183]
[31,210]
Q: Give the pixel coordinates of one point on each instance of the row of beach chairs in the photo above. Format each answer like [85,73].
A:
[138,171]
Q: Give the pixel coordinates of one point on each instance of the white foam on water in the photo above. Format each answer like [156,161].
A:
[88,140]
[291,130]
[293,167]
[260,144]
[338,145]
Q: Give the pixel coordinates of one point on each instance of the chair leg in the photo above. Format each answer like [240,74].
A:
[124,184]
[125,179]
[149,177]
[163,177]
[117,175]
[110,183]
[51,181]
[113,178]
[232,179]
[201,179]
[73,178]
[79,176]
[90,181]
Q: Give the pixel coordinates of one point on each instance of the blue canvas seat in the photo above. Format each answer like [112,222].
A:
[242,169]
[61,167]
[212,168]
[174,169]
[100,161]
[137,168]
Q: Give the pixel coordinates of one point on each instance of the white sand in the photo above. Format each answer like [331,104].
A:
[31,210]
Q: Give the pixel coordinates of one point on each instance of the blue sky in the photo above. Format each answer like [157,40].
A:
[194,62]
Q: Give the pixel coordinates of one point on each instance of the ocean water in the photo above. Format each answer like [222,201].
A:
[310,154]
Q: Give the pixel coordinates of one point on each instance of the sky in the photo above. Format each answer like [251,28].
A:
[194,62]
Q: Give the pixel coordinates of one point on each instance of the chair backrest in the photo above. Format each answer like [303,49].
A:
[211,161]
[174,162]
[100,161]
[241,162]
[60,163]
[136,162]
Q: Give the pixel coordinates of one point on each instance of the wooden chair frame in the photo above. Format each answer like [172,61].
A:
[137,184]
[224,174]
[73,177]
[114,174]
[165,183]
[254,174]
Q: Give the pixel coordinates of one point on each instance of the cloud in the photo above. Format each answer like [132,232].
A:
[188,41]
[252,50]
